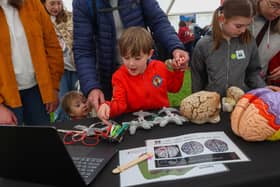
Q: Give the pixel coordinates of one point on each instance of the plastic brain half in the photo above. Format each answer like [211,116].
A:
[256,116]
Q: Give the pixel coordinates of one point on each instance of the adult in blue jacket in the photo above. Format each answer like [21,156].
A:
[97,27]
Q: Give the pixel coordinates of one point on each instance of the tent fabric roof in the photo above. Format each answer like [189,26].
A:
[178,7]
[182,7]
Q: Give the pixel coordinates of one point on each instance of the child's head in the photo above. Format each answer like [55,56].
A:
[270,9]
[136,47]
[182,24]
[75,105]
[232,19]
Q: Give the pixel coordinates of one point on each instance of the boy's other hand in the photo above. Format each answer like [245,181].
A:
[180,59]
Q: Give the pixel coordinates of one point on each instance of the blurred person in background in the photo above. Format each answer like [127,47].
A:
[63,24]
[186,36]
[266,29]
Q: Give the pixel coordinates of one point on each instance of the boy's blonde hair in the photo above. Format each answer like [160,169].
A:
[135,40]
[68,98]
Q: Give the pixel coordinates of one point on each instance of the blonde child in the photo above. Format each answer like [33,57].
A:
[228,57]
[75,104]
[140,83]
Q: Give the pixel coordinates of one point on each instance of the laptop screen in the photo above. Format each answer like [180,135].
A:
[37,154]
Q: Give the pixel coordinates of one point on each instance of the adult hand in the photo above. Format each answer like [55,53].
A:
[274,88]
[274,75]
[96,98]
[180,59]
[7,117]
[51,107]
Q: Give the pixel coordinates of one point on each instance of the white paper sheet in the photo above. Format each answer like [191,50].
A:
[194,149]
[139,174]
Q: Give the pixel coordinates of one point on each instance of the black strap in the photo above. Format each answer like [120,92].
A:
[262,33]
[94,16]
[94,13]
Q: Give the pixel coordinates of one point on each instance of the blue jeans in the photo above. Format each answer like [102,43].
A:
[67,83]
[33,110]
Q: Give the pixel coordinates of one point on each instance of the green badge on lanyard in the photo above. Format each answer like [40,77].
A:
[233,56]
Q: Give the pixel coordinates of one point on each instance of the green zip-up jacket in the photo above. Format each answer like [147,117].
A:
[232,64]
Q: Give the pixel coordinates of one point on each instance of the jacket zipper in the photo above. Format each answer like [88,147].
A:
[227,64]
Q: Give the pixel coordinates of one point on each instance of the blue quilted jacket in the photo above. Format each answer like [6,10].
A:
[96,66]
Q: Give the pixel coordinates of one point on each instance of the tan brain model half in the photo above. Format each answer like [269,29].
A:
[201,107]
[232,97]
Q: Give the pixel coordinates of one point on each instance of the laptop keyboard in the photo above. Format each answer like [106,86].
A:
[86,166]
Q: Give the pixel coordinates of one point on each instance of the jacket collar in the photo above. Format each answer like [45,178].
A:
[3,3]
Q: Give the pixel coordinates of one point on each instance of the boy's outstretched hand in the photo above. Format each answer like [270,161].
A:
[103,113]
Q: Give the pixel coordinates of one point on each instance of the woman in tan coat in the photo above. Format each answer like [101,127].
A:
[31,63]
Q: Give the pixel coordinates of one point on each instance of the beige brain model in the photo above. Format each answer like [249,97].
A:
[201,107]
[232,97]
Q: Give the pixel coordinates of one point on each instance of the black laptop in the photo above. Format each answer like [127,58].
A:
[37,154]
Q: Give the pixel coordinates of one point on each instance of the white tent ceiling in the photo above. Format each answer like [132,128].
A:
[178,7]
[175,8]
[182,7]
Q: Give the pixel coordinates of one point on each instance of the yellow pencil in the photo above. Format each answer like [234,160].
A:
[124,167]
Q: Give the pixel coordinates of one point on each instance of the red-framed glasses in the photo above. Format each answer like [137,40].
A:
[88,136]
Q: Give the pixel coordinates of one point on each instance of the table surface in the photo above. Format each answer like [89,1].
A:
[262,170]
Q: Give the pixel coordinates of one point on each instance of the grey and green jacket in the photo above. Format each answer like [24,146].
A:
[232,64]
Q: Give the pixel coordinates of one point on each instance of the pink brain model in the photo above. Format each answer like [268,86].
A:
[256,116]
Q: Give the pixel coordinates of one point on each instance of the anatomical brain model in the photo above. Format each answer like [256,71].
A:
[201,107]
[256,116]
[232,97]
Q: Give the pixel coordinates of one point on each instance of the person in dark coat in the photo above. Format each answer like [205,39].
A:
[97,27]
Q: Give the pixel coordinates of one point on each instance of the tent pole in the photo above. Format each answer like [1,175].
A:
[170,6]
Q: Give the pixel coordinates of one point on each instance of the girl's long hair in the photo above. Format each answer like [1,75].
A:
[61,17]
[232,8]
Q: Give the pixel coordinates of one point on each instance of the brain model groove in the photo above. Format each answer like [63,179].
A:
[235,93]
[201,107]
[256,116]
